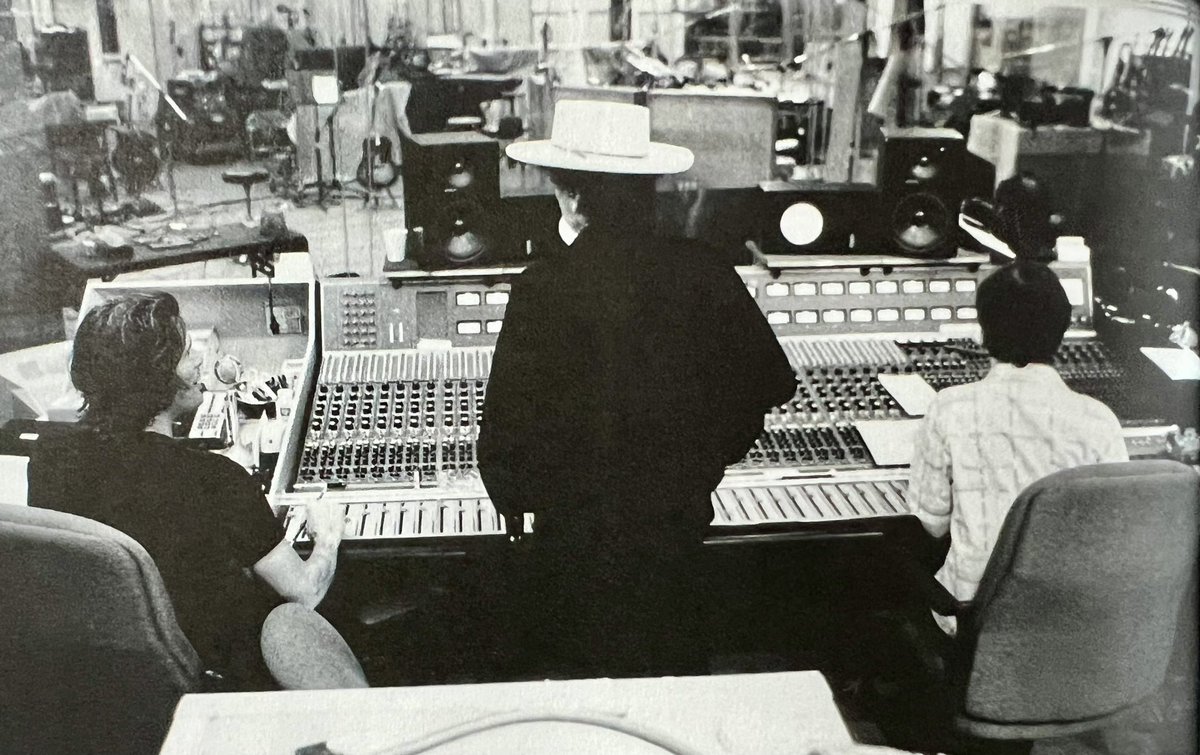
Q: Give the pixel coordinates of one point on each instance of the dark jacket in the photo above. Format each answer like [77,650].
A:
[629,373]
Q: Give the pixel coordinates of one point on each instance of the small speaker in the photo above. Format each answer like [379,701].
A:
[819,218]
[452,192]
[921,184]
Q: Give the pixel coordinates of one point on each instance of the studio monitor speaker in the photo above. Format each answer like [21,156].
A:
[819,218]
[921,184]
[452,192]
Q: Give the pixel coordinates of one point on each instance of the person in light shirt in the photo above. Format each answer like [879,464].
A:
[982,443]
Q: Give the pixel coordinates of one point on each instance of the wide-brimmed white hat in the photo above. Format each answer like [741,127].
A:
[602,137]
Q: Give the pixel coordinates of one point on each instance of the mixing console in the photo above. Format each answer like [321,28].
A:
[403,419]
[1085,365]
[763,508]
[391,432]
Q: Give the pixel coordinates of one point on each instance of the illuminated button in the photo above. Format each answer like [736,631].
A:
[493,326]
[467,299]
[940,313]
[469,328]
[496,297]
[964,285]
[965,313]
[777,289]
[806,317]
[886,287]
[887,315]
[914,314]
[939,287]
[861,315]
[860,287]
[833,288]
[778,318]
[805,289]
[913,287]
[834,315]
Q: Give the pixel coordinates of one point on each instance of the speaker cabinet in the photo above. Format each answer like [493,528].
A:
[922,182]
[452,192]
[819,218]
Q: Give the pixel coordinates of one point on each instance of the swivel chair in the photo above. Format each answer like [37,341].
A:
[1076,616]
[91,657]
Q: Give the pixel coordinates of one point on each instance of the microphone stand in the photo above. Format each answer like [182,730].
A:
[168,152]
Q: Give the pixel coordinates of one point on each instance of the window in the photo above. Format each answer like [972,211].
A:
[106,15]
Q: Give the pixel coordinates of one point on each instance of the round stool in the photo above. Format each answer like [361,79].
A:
[246,178]
[463,123]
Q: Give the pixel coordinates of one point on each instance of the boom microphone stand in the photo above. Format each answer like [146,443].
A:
[168,152]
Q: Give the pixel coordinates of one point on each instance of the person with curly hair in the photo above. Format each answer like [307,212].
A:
[200,516]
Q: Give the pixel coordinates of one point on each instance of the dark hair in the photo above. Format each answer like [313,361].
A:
[610,199]
[124,359]
[1023,311]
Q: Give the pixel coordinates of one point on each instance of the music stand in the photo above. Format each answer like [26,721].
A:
[317,87]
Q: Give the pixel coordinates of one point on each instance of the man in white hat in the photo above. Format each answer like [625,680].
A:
[631,370]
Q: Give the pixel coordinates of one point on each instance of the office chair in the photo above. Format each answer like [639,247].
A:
[1076,616]
[91,657]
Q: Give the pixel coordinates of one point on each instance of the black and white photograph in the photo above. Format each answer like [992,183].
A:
[574,377]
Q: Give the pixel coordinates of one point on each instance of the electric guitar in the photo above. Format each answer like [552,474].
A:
[376,170]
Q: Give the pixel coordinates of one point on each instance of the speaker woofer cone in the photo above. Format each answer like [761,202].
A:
[920,223]
[464,227]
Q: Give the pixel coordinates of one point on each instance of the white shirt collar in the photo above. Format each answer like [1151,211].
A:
[1032,371]
[566,232]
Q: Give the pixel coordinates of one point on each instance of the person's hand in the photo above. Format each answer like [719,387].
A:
[325,522]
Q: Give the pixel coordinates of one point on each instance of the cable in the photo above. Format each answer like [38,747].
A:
[274,323]
[484,724]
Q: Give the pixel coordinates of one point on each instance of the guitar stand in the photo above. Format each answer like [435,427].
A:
[374,195]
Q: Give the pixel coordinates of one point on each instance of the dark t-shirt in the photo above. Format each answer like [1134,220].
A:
[200,516]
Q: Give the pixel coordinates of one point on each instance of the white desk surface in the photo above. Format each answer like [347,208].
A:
[791,712]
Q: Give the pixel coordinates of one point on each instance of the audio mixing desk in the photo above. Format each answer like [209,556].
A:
[394,407]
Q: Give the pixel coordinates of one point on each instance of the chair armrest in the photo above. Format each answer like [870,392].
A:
[939,599]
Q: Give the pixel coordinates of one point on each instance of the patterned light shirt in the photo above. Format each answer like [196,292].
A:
[982,443]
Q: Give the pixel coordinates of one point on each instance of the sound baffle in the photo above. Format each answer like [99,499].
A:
[452,192]
[921,183]
[819,218]
[64,61]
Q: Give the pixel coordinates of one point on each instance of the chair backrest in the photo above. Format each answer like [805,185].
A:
[91,658]
[1076,615]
